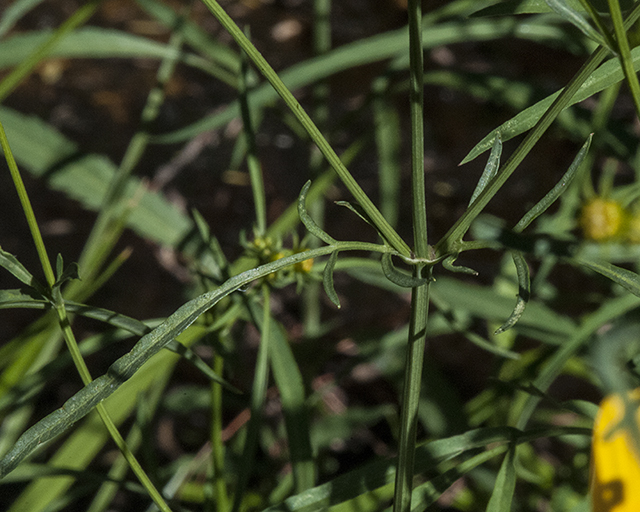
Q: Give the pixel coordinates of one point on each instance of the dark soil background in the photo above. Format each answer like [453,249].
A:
[97,103]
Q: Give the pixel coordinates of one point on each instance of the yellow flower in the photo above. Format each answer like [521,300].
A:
[615,461]
[602,219]
[303,267]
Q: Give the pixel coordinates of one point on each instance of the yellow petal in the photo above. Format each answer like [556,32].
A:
[615,464]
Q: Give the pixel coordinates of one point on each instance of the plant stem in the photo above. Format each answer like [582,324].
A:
[27,208]
[381,224]
[312,306]
[64,323]
[453,237]
[420,295]
[625,53]
[255,169]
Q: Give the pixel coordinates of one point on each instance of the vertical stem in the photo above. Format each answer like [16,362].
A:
[625,53]
[26,208]
[381,224]
[417,130]
[255,169]
[217,447]
[65,326]
[321,45]
[420,295]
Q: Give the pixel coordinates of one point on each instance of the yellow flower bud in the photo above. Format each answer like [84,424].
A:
[602,219]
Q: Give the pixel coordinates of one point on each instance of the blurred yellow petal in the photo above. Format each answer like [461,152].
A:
[615,462]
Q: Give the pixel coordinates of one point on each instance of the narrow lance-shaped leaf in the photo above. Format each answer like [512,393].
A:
[551,197]
[11,263]
[397,277]
[306,219]
[358,211]
[327,279]
[448,264]
[121,370]
[606,75]
[524,292]
[577,19]
[625,278]
[490,169]
[502,494]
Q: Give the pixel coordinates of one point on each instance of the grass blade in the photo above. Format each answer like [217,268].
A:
[502,494]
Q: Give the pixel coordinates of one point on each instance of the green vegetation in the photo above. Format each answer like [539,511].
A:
[259,384]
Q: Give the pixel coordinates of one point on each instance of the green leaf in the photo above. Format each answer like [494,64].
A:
[327,279]
[65,274]
[94,42]
[10,262]
[288,378]
[606,75]
[448,264]
[524,292]
[86,178]
[490,170]
[550,198]
[306,219]
[505,486]
[355,209]
[569,13]
[23,298]
[124,368]
[398,277]
[625,278]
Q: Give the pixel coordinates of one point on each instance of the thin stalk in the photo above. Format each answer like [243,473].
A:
[385,229]
[27,208]
[321,45]
[64,323]
[79,17]
[597,19]
[81,366]
[221,496]
[420,295]
[625,53]
[450,241]
[109,224]
[258,397]
[255,169]
[119,468]
[388,142]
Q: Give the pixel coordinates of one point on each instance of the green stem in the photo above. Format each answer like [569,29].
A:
[450,241]
[110,223]
[381,224]
[217,446]
[258,396]
[312,297]
[63,320]
[255,170]
[420,294]
[27,208]
[625,53]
